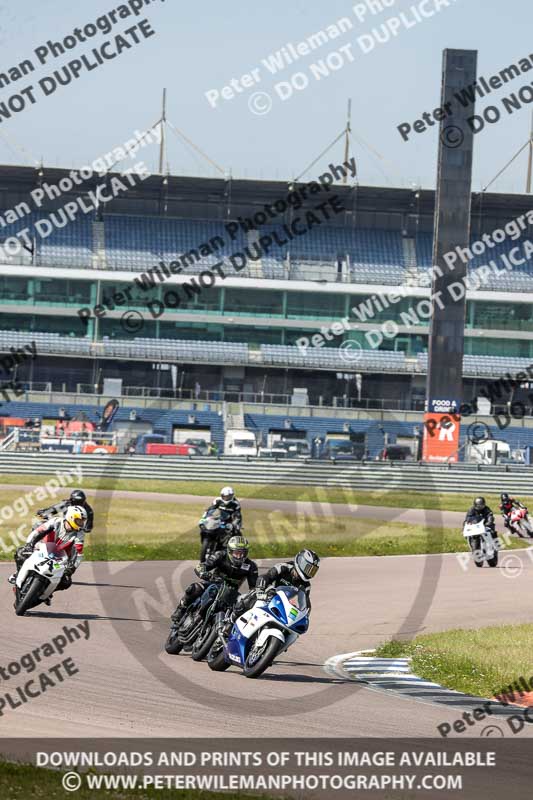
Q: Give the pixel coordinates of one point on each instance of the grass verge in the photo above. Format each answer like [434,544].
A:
[481,662]
[20,781]
[391,498]
[139,529]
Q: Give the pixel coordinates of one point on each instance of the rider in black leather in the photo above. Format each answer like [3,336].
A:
[216,529]
[231,565]
[77,498]
[481,511]
[297,573]
[228,502]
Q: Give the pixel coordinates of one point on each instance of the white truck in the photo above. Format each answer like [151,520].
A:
[240,442]
[491,451]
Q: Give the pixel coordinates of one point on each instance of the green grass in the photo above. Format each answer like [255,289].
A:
[389,497]
[20,782]
[480,662]
[140,529]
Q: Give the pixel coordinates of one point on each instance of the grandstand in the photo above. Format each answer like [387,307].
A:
[237,341]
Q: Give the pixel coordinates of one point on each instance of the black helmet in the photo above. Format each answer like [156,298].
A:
[479,503]
[306,564]
[238,550]
[77,497]
[505,497]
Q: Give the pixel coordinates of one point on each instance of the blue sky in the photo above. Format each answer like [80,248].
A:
[201,46]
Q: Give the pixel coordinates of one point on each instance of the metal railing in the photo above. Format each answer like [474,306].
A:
[371,476]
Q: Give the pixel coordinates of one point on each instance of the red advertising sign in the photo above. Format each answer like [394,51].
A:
[441,437]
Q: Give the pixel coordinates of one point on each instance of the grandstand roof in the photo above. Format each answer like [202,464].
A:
[220,198]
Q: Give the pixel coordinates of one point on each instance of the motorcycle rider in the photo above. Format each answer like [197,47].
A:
[216,530]
[480,511]
[298,573]
[68,527]
[228,502]
[506,506]
[231,565]
[77,498]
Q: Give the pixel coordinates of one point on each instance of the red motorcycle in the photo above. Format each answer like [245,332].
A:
[520,524]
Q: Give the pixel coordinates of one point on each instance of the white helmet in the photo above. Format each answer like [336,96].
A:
[227,494]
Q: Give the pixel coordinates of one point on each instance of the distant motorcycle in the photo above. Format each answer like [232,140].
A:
[197,629]
[217,527]
[520,524]
[262,633]
[482,543]
[40,575]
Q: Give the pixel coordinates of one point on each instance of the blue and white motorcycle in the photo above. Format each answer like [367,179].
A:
[262,633]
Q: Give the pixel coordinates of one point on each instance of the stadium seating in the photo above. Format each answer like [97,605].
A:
[239,353]
[326,253]
[137,243]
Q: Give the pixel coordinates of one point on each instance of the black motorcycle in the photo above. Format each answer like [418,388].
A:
[197,629]
[217,528]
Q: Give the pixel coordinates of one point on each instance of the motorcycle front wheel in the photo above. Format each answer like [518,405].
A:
[204,643]
[27,598]
[216,659]
[172,645]
[260,659]
[475,547]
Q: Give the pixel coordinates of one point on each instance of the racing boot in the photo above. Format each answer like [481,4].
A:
[12,579]
[179,613]
[226,624]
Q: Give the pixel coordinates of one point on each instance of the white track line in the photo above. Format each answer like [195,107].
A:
[394,680]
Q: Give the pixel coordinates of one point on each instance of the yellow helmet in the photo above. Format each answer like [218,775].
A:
[76,516]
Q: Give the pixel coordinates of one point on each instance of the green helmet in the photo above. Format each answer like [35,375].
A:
[238,550]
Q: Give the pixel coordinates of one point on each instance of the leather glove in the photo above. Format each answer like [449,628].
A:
[201,570]
[27,550]
[261,595]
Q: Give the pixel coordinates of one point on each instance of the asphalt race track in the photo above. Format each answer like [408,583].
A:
[127,686]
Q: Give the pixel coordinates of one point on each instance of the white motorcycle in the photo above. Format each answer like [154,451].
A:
[262,633]
[40,575]
[482,543]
